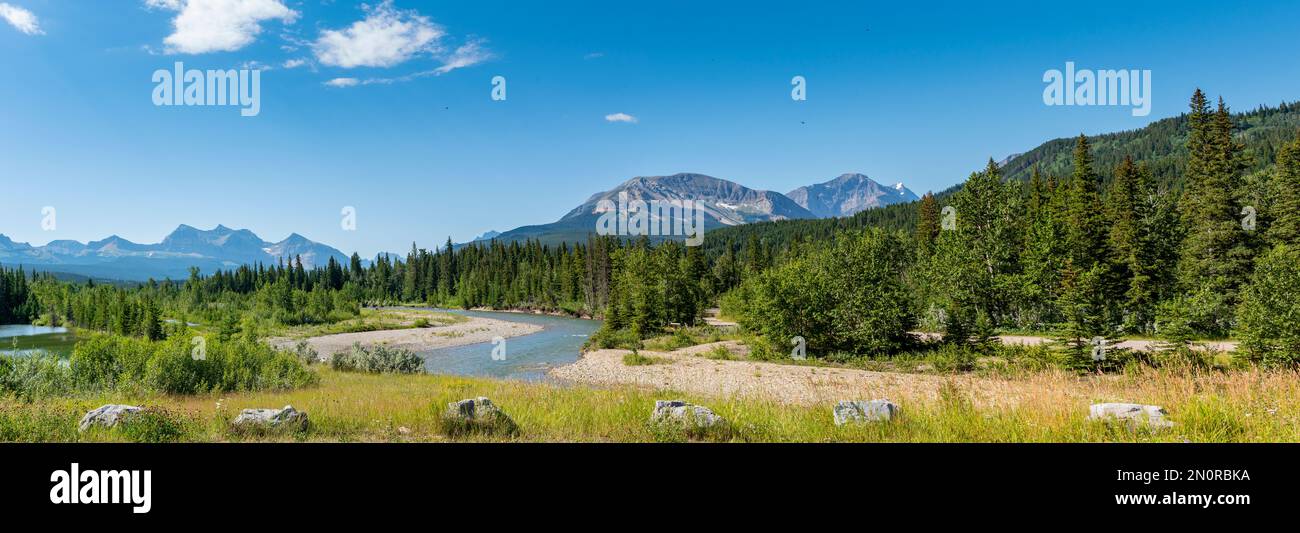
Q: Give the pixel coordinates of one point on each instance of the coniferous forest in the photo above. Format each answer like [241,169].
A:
[1194,240]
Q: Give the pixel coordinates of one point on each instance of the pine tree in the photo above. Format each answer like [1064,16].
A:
[1088,295]
[1214,259]
[1045,252]
[1285,227]
[1130,211]
[1087,230]
[927,227]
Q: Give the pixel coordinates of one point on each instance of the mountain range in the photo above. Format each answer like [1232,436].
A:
[118,258]
[847,195]
[725,203]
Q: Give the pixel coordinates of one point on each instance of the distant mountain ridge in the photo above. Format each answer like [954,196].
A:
[849,194]
[725,203]
[187,246]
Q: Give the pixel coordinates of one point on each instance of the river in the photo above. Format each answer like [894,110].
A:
[526,358]
[29,339]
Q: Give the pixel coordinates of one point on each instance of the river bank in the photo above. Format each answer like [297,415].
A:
[470,330]
[695,370]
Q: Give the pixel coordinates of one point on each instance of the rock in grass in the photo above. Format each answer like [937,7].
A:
[859,411]
[286,419]
[477,415]
[107,416]
[1131,413]
[684,415]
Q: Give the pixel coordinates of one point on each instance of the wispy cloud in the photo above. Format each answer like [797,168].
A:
[343,82]
[594,55]
[203,26]
[385,37]
[294,63]
[621,117]
[21,19]
[467,55]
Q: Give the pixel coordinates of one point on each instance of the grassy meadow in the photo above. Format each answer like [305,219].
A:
[1213,406]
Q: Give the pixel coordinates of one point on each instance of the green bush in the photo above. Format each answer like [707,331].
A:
[175,366]
[636,359]
[377,360]
[1269,315]
[720,353]
[493,424]
[305,353]
[29,377]
[849,297]
[606,338]
[954,358]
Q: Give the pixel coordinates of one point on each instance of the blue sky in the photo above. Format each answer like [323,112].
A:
[920,93]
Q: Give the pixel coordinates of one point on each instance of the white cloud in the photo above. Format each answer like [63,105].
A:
[295,63]
[203,26]
[386,37]
[620,117]
[21,19]
[343,82]
[467,55]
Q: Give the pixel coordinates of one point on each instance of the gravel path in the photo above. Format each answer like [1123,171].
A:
[472,331]
[686,370]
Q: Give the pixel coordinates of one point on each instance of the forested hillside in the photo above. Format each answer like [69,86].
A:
[1100,253]
[1161,147]
[1193,234]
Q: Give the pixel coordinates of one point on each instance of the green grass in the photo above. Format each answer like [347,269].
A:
[688,336]
[634,358]
[720,353]
[351,407]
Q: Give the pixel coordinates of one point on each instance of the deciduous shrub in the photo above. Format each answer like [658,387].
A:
[377,360]
[107,362]
[847,297]
[34,376]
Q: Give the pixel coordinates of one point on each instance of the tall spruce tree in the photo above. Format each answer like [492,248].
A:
[1087,233]
[1285,227]
[1214,260]
[927,226]
[1088,296]
[1044,252]
[1130,212]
